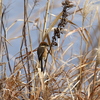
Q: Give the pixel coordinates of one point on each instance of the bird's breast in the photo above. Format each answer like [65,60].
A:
[45,53]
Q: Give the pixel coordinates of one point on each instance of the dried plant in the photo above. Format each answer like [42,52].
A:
[72,69]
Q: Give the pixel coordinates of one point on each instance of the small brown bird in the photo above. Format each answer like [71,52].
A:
[42,53]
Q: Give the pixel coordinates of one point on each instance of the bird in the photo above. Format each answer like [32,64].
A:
[42,52]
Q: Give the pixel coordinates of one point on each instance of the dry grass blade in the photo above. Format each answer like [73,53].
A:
[83,32]
[0,8]
[53,23]
[98,53]
[67,49]
[15,38]
[72,70]
[46,17]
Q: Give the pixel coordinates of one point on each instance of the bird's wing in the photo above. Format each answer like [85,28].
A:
[40,52]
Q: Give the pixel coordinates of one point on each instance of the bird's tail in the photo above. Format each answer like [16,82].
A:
[42,70]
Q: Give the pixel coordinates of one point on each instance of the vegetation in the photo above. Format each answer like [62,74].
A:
[72,67]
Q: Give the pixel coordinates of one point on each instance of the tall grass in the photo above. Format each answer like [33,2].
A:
[72,68]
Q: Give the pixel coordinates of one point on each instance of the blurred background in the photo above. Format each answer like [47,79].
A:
[76,58]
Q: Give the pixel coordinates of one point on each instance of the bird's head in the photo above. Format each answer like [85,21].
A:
[44,44]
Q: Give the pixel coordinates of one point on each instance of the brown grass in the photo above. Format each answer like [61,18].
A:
[72,69]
